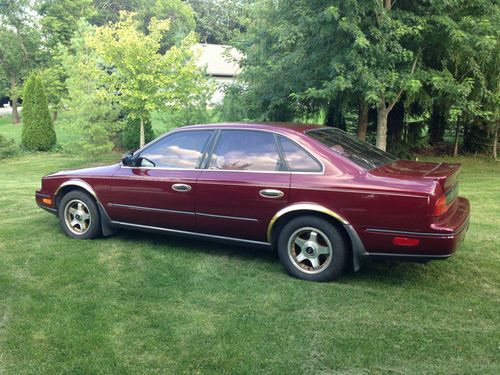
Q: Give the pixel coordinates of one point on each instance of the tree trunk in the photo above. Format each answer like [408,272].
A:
[382,113]
[395,129]
[438,122]
[54,116]
[362,120]
[457,134]
[14,97]
[495,143]
[141,136]
[334,116]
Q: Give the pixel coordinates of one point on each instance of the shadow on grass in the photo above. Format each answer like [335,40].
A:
[162,243]
[382,272]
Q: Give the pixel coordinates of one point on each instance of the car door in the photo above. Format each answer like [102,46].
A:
[244,185]
[160,191]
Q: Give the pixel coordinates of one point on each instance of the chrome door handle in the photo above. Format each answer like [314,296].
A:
[181,187]
[271,193]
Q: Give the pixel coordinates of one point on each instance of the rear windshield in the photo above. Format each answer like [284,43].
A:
[362,153]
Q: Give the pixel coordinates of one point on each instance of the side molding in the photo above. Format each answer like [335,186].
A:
[358,249]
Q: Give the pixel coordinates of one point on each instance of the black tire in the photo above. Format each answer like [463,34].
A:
[297,256]
[82,205]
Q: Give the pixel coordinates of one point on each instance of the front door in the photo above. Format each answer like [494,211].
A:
[160,191]
[243,187]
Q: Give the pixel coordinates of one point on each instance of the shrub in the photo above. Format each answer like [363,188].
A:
[7,147]
[131,133]
[38,130]
[233,106]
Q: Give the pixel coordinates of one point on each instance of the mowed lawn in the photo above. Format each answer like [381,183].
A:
[144,303]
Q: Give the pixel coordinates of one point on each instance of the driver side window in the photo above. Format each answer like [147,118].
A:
[182,150]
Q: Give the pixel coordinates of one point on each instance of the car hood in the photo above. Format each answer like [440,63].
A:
[106,170]
[445,173]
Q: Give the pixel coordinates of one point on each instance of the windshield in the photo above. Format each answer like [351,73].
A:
[362,153]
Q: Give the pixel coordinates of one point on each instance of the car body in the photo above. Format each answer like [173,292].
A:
[245,183]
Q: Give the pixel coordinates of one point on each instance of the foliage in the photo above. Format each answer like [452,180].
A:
[131,133]
[306,57]
[95,117]
[54,76]
[138,77]
[19,45]
[177,12]
[233,106]
[59,20]
[7,147]
[218,21]
[38,130]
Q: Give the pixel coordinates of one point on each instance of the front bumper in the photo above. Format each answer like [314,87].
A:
[442,241]
[39,197]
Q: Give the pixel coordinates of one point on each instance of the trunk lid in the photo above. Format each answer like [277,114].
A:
[445,173]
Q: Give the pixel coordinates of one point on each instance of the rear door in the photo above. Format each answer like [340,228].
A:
[243,187]
[160,191]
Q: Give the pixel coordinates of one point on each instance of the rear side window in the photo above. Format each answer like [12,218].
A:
[182,150]
[238,150]
[296,158]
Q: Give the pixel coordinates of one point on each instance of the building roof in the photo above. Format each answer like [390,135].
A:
[218,59]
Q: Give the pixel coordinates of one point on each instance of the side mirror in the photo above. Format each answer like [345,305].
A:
[128,159]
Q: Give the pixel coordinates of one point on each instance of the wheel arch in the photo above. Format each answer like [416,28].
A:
[81,185]
[70,185]
[288,213]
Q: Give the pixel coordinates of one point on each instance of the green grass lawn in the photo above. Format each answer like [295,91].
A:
[143,303]
[62,127]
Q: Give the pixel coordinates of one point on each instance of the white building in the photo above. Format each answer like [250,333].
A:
[221,63]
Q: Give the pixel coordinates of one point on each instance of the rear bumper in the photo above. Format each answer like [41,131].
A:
[438,244]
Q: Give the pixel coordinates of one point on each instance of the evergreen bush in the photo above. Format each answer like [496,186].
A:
[38,130]
[7,147]
[131,133]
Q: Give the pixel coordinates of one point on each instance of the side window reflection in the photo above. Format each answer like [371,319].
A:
[181,150]
[297,159]
[238,150]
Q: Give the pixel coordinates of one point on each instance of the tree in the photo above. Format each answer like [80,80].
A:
[59,20]
[38,130]
[96,117]
[19,45]
[140,78]
[178,12]
[217,21]
[306,56]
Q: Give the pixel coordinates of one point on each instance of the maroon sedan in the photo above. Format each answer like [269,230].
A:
[320,197]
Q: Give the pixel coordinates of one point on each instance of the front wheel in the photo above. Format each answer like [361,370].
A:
[79,216]
[312,249]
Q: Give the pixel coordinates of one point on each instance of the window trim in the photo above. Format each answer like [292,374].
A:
[282,160]
[138,153]
[210,147]
[301,148]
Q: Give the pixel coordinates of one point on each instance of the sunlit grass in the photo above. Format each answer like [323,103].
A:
[143,303]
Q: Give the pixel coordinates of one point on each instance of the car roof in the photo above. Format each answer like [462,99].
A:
[284,127]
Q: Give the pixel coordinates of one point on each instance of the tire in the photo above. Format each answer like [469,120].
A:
[308,256]
[79,216]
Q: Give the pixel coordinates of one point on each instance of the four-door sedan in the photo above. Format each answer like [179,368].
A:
[322,198]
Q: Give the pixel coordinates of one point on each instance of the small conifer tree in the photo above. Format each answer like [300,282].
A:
[38,130]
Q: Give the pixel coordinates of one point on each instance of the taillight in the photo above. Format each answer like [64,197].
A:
[441,207]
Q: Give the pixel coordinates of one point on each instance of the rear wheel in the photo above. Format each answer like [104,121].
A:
[79,215]
[311,248]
